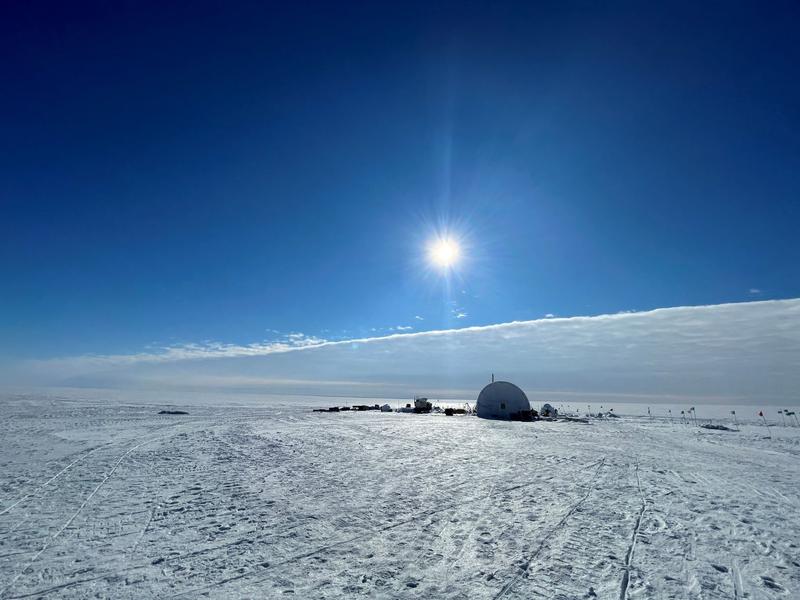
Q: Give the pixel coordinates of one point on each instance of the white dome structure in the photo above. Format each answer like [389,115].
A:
[503,400]
[548,411]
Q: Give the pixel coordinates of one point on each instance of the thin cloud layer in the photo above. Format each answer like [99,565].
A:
[729,352]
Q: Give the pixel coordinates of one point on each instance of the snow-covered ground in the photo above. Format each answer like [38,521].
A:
[108,500]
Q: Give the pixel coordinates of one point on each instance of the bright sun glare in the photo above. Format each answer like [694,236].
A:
[444,252]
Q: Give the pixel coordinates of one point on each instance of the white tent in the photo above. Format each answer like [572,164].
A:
[502,400]
[548,411]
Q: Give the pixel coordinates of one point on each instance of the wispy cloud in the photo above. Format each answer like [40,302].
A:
[754,292]
[734,351]
[458,312]
[194,351]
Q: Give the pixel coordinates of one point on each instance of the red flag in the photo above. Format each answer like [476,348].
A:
[760,413]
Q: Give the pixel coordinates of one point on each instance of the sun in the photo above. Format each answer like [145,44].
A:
[444,252]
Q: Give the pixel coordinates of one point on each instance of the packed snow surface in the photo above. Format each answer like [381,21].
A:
[116,501]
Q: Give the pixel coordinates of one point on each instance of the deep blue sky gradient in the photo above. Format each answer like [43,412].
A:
[178,173]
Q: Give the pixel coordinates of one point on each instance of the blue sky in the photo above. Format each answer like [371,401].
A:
[233,174]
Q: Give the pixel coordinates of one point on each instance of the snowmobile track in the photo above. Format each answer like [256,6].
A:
[297,506]
[370,534]
[626,573]
[52,479]
[531,557]
[69,521]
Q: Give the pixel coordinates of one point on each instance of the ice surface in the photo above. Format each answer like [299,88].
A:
[109,500]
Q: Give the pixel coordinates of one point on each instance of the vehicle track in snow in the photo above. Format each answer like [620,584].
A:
[379,531]
[52,479]
[736,581]
[69,521]
[391,506]
[531,557]
[146,527]
[626,573]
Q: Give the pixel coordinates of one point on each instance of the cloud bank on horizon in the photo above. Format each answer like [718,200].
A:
[719,353]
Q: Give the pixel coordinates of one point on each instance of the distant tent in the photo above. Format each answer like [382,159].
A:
[503,400]
[386,408]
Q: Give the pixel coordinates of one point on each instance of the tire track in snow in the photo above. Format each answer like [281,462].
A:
[530,558]
[116,573]
[736,579]
[19,524]
[69,521]
[65,469]
[53,478]
[626,579]
[454,560]
[56,588]
[249,538]
[146,527]
[370,534]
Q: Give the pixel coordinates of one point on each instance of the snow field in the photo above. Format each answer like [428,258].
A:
[111,501]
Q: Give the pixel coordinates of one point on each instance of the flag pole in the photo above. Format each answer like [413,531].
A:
[761,414]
